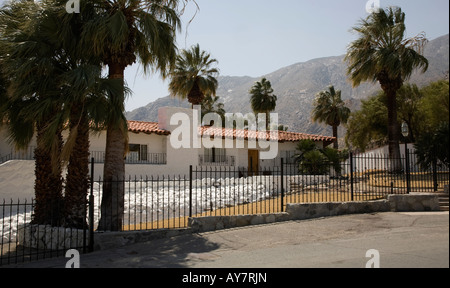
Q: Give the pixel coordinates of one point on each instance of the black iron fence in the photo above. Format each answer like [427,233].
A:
[168,202]
[148,203]
[379,172]
[21,240]
[156,203]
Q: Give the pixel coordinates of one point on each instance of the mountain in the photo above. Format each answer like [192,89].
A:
[297,85]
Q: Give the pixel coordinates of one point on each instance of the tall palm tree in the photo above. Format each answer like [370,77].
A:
[29,61]
[118,33]
[381,53]
[262,99]
[86,99]
[121,33]
[76,91]
[331,110]
[193,76]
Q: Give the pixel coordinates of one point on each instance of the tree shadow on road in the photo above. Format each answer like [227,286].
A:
[174,252]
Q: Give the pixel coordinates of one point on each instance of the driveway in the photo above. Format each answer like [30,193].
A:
[407,240]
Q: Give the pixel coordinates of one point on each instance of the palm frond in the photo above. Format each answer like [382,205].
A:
[193,70]
[262,98]
[382,49]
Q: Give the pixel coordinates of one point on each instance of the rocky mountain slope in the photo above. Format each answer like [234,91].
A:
[297,85]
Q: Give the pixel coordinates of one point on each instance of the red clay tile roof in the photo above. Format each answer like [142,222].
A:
[280,136]
[294,137]
[146,127]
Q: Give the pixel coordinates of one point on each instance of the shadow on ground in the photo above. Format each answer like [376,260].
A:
[173,252]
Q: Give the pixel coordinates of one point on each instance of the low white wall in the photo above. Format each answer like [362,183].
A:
[45,237]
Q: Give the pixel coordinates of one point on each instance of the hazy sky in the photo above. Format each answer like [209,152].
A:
[256,37]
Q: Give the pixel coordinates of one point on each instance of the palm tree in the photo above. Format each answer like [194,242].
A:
[282,127]
[29,62]
[383,54]
[262,99]
[121,33]
[331,110]
[118,33]
[193,76]
[86,98]
[313,160]
[309,158]
[75,90]
[210,104]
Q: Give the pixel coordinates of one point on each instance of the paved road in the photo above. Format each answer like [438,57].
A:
[419,239]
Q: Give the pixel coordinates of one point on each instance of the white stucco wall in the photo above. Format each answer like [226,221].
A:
[379,159]
[7,149]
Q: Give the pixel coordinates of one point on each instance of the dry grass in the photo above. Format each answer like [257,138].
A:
[417,180]
[180,222]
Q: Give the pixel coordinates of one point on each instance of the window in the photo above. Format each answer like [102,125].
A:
[137,152]
[215,155]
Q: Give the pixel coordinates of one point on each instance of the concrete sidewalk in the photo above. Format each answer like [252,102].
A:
[416,239]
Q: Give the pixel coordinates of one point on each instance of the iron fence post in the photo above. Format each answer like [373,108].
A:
[91,210]
[190,191]
[435,180]
[351,175]
[85,226]
[282,185]
[408,178]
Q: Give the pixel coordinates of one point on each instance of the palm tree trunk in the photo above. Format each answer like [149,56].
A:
[335,135]
[48,182]
[393,132]
[112,207]
[390,88]
[77,180]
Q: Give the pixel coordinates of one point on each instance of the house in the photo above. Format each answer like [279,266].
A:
[178,140]
[156,149]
